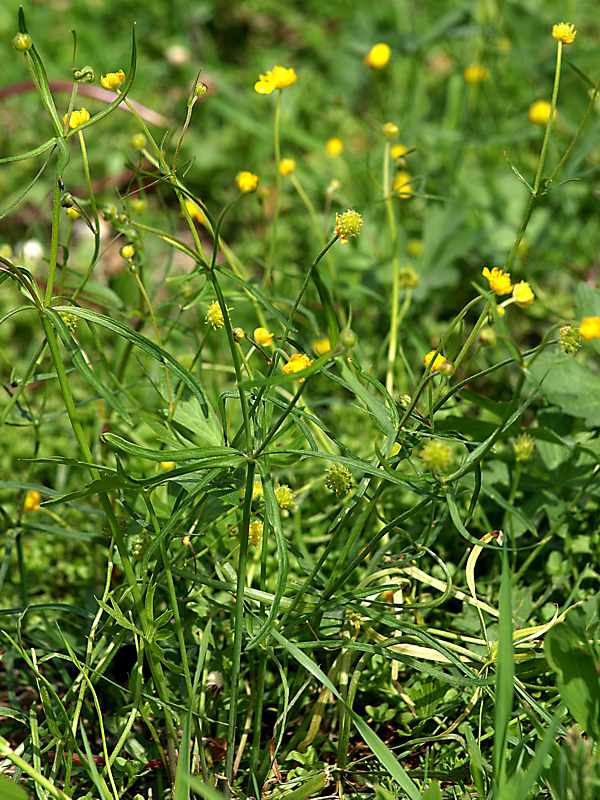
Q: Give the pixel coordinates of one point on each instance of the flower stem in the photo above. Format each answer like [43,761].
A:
[277,151]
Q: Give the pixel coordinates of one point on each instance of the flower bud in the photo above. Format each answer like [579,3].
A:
[84,74]
[22,42]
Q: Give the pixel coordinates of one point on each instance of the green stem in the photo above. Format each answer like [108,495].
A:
[36,776]
[53,240]
[392,225]
[535,193]
[239,622]
[277,150]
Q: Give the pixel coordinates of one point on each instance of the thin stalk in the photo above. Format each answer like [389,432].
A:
[312,212]
[535,193]
[239,622]
[277,151]
[471,338]
[36,776]
[393,229]
[53,241]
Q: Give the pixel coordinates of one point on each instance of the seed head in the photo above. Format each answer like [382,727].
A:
[523,446]
[238,334]
[408,278]
[285,497]
[435,455]
[348,224]
[255,532]
[339,480]
[138,141]
[570,339]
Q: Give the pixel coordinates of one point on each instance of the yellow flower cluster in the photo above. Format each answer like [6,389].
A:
[112,80]
[246,181]
[277,77]
[297,363]
[564,32]
[378,56]
[76,118]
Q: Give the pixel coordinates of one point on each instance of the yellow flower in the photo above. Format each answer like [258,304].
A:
[214,316]
[589,328]
[334,146]
[408,278]
[32,500]
[401,186]
[195,211]
[476,73]
[322,346]
[501,311]
[73,213]
[436,456]
[348,224]
[539,112]
[246,181]
[127,251]
[285,497]
[564,32]
[263,337]
[498,280]
[255,531]
[437,363]
[76,118]
[167,466]
[287,166]
[523,294]
[398,151]
[257,490]
[112,80]
[297,363]
[277,77]
[390,130]
[378,56]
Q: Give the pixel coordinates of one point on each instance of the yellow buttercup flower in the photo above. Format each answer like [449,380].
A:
[390,130]
[73,213]
[287,166]
[523,294]
[476,73]
[402,187]
[322,346]
[398,151]
[214,316]
[348,224]
[539,112]
[277,77]
[589,328]
[77,118]
[564,32]
[263,337]
[246,181]
[378,56]
[297,363]
[32,500]
[499,281]
[195,211]
[437,363]
[167,466]
[285,497]
[334,146]
[415,247]
[255,532]
[112,80]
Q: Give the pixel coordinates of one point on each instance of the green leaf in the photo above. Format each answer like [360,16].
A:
[505,669]
[204,790]
[204,429]
[226,455]
[311,786]
[566,383]
[568,653]
[11,791]
[433,792]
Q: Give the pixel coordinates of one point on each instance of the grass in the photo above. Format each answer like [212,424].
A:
[296,502]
